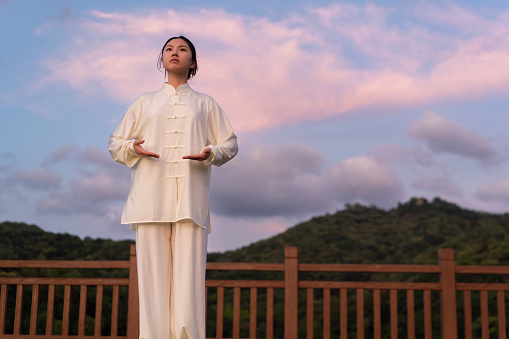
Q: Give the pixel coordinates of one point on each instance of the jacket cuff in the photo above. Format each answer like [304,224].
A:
[212,156]
[130,148]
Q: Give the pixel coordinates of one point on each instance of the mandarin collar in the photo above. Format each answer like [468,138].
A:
[181,89]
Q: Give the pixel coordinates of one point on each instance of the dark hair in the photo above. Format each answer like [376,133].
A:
[192,71]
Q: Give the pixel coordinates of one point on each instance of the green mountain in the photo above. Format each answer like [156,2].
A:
[411,233]
[19,241]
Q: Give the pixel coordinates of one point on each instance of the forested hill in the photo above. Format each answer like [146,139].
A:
[412,233]
[19,241]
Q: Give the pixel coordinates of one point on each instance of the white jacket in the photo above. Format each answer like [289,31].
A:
[173,123]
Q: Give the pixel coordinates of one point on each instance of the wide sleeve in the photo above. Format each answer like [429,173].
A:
[221,137]
[121,141]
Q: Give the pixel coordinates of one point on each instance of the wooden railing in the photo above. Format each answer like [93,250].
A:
[428,303]
[35,283]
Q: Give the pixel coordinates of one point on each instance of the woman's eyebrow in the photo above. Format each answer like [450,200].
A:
[177,46]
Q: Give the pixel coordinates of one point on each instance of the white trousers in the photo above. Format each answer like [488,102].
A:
[171,259]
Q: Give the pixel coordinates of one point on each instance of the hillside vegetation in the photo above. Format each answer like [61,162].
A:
[19,241]
[411,233]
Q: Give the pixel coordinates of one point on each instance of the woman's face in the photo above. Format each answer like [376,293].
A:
[177,58]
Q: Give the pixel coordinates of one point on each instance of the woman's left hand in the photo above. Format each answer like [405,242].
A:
[204,155]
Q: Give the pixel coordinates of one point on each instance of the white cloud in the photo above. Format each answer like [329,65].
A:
[442,135]
[366,180]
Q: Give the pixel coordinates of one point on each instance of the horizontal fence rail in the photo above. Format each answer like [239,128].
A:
[290,300]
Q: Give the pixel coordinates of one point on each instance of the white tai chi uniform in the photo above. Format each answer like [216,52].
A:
[168,203]
[172,279]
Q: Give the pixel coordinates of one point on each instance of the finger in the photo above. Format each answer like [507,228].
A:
[138,142]
[140,151]
[150,154]
[198,157]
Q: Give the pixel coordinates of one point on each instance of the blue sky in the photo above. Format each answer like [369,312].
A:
[334,102]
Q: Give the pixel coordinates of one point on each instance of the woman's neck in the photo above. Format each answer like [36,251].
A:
[177,81]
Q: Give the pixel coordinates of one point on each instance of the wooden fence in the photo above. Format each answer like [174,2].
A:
[432,302]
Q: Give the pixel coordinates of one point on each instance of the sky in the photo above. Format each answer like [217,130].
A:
[333,102]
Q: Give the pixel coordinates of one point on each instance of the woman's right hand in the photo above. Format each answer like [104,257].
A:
[141,152]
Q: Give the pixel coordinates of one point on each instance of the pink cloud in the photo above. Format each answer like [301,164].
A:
[269,73]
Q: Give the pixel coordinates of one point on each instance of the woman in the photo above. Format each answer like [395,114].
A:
[170,138]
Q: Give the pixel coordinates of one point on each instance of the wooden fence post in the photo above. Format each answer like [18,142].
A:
[133,309]
[291,292]
[448,294]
